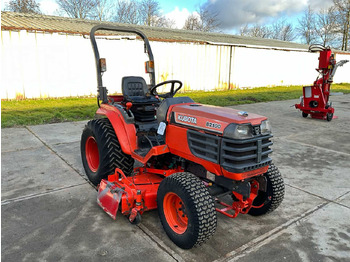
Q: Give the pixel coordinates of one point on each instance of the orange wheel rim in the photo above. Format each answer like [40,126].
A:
[92,155]
[175,213]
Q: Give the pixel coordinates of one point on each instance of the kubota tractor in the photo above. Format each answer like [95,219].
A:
[315,99]
[193,160]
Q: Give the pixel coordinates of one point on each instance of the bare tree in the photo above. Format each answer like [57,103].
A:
[205,21]
[306,27]
[326,26]
[102,10]
[149,12]
[127,12]
[208,20]
[260,31]
[163,21]
[77,8]
[244,30]
[282,30]
[192,23]
[24,6]
[256,30]
[342,8]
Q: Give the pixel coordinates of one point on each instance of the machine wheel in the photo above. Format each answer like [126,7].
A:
[101,152]
[137,219]
[268,201]
[304,114]
[186,210]
[329,116]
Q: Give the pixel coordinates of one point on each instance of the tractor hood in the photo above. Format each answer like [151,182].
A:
[211,118]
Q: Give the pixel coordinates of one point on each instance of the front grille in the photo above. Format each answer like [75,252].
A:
[244,155]
[204,146]
[234,155]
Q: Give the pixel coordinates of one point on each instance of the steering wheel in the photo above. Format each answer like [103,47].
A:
[172,90]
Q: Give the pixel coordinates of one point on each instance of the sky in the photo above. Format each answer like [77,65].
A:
[232,14]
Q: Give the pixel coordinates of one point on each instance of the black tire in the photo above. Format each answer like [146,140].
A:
[107,151]
[329,116]
[273,196]
[196,205]
[304,114]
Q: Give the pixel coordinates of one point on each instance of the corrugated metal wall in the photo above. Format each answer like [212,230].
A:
[39,65]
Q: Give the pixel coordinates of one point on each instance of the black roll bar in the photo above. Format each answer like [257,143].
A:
[101,90]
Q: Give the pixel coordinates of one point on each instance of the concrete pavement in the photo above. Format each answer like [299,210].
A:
[49,210]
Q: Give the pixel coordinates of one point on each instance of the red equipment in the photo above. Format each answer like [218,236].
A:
[315,99]
[190,156]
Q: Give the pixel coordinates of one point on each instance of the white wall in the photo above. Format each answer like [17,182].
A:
[39,65]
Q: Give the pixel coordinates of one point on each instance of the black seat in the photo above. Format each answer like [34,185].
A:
[135,90]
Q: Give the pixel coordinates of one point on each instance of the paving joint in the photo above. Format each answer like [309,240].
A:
[313,146]
[22,149]
[53,151]
[160,243]
[149,234]
[276,232]
[30,196]
[267,237]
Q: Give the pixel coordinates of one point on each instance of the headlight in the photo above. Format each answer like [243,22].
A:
[235,131]
[265,127]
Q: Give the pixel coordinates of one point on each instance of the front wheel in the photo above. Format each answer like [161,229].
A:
[266,202]
[329,116]
[186,210]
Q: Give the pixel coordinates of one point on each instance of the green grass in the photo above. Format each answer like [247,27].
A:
[34,112]
[261,94]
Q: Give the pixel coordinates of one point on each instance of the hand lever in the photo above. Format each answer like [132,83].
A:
[128,106]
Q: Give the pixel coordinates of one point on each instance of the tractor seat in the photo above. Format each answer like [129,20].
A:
[135,90]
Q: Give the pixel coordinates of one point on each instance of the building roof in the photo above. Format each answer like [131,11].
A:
[46,23]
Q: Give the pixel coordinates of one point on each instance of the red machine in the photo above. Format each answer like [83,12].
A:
[315,99]
[193,160]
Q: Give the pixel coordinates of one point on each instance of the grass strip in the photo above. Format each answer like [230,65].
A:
[45,111]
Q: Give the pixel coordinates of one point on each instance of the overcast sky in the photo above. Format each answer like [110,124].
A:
[232,14]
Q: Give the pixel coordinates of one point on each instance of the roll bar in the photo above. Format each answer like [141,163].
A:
[101,90]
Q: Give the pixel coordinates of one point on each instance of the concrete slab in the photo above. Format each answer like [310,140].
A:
[34,171]
[321,236]
[59,133]
[312,169]
[70,152]
[336,139]
[234,233]
[69,226]
[14,139]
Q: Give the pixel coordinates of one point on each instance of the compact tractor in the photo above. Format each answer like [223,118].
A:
[149,150]
[315,99]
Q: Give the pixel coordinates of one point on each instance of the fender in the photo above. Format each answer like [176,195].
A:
[126,133]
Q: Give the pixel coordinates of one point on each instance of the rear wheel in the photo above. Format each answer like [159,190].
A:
[266,202]
[186,210]
[101,152]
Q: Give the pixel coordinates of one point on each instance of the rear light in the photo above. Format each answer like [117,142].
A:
[149,66]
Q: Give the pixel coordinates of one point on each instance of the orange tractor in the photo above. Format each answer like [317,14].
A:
[193,160]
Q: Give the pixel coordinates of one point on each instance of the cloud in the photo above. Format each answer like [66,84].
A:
[48,7]
[234,13]
[179,16]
